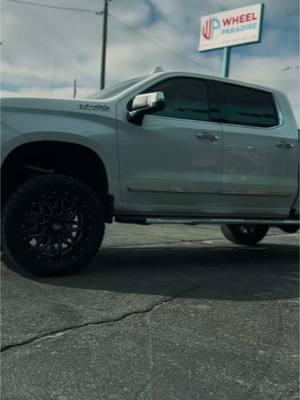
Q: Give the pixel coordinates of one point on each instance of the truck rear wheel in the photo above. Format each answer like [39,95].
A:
[247,234]
[53,225]
[289,228]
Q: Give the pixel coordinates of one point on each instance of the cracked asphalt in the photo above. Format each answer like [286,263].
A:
[163,313]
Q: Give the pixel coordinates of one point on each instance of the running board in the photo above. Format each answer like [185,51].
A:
[198,221]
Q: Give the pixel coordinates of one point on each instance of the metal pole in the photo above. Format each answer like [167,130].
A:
[104,42]
[74,88]
[226,61]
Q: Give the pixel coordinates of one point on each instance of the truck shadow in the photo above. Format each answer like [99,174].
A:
[265,272]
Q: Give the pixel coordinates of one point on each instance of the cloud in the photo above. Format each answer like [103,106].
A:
[64,92]
[43,50]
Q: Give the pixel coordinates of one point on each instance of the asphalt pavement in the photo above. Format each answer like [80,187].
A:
[170,312]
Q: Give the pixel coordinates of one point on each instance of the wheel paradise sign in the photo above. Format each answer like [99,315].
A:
[231,28]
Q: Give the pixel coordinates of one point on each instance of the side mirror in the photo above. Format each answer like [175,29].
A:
[145,103]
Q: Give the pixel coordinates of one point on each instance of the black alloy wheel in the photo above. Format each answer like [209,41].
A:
[53,225]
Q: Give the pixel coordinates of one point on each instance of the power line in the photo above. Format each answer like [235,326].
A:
[31,3]
[104,39]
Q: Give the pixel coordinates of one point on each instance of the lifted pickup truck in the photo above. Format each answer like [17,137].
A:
[170,146]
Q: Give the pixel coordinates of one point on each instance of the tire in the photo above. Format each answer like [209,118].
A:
[289,228]
[248,235]
[53,225]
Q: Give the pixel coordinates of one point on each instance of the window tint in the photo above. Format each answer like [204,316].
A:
[185,98]
[245,106]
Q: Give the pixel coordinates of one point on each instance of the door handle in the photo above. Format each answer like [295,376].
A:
[284,144]
[207,136]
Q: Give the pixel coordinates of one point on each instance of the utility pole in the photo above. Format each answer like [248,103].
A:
[104,12]
[75,88]
[104,43]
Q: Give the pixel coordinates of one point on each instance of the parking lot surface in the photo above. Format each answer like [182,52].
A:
[163,313]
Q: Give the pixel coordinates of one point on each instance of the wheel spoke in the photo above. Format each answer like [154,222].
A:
[60,245]
[73,229]
[76,223]
[36,234]
[70,213]
[53,226]
[32,229]
[59,207]
[52,246]
[42,245]
[38,208]
[50,207]
[36,219]
[69,239]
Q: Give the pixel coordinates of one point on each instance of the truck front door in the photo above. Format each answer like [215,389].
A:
[172,163]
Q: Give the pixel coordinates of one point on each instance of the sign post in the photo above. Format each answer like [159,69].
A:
[231,28]
[226,61]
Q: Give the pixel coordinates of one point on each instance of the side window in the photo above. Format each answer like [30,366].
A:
[246,106]
[186,98]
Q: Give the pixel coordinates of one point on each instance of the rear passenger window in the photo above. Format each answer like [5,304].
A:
[246,106]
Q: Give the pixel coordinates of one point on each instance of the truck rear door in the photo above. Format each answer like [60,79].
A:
[260,152]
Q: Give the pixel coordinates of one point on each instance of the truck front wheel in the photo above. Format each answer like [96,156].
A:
[247,234]
[53,225]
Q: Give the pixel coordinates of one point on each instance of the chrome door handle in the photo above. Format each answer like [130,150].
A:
[207,136]
[284,144]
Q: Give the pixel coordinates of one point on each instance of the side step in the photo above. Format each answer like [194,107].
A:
[199,221]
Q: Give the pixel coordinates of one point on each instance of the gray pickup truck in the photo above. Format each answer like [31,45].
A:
[169,146]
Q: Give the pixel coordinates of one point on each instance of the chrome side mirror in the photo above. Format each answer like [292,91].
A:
[143,104]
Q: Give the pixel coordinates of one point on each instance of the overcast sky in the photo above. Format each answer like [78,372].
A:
[44,49]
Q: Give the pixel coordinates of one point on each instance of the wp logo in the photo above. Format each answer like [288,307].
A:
[210,28]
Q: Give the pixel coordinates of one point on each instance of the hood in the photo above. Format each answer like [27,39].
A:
[40,114]
[85,106]
[32,119]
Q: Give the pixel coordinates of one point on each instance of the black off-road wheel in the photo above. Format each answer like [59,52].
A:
[247,234]
[53,225]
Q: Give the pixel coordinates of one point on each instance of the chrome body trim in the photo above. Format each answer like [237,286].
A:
[175,190]
[185,191]
[208,220]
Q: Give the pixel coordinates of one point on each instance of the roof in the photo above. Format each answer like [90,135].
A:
[213,77]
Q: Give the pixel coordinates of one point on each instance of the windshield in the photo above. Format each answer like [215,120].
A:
[116,89]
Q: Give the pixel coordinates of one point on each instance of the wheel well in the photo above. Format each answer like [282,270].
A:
[46,157]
